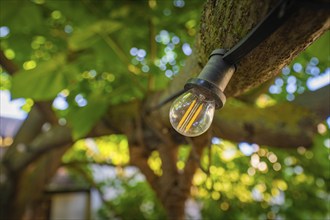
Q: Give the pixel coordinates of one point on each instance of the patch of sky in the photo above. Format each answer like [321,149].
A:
[170,46]
[290,97]
[141,53]
[279,82]
[328,121]
[297,67]
[169,73]
[314,61]
[292,80]
[145,68]
[139,58]
[216,140]
[60,103]
[133,51]
[248,149]
[175,39]
[162,66]
[327,143]
[291,88]
[179,3]
[298,170]
[173,62]
[92,73]
[186,49]
[273,89]
[4,31]
[170,56]
[11,108]
[300,90]
[80,100]
[68,29]
[176,69]
[286,70]
[315,83]
[163,37]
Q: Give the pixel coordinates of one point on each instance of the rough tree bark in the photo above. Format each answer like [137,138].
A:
[223,24]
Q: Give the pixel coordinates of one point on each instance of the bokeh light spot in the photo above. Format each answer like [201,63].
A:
[28,65]
[80,100]
[179,3]
[277,166]
[60,103]
[10,54]
[327,143]
[321,128]
[286,70]
[297,67]
[224,206]
[186,49]
[56,14]
[4,31]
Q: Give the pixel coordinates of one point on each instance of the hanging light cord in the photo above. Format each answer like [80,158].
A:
[274,19]
[166,100]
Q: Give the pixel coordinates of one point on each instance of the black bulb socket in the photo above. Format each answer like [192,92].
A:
[214,77]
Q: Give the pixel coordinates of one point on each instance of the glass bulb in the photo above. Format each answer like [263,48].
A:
[192,113]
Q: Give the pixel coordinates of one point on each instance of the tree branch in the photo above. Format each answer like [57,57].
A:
[168,180]
[57,136]
[198,145]
[31,182]
[316,101]
[7,64]
[139,159]
[283,125]
[286,125]
[84,162]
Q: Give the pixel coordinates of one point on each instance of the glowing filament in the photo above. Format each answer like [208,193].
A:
[190,116]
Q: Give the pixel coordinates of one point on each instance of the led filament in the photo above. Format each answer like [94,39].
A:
[192,113]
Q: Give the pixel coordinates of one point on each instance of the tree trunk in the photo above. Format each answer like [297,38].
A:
[175,206]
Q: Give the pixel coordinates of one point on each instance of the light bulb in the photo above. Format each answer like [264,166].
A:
[192,113]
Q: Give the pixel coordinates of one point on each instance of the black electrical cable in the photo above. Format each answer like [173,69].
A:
[315,5]
[167,100]
[274,19]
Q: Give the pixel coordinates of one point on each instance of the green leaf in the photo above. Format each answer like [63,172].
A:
[320,48]
[43,82]
[161,81]
[83,119]
[20,16]
[86,37]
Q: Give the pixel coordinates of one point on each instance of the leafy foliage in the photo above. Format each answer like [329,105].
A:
[43,82]
[62,52]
